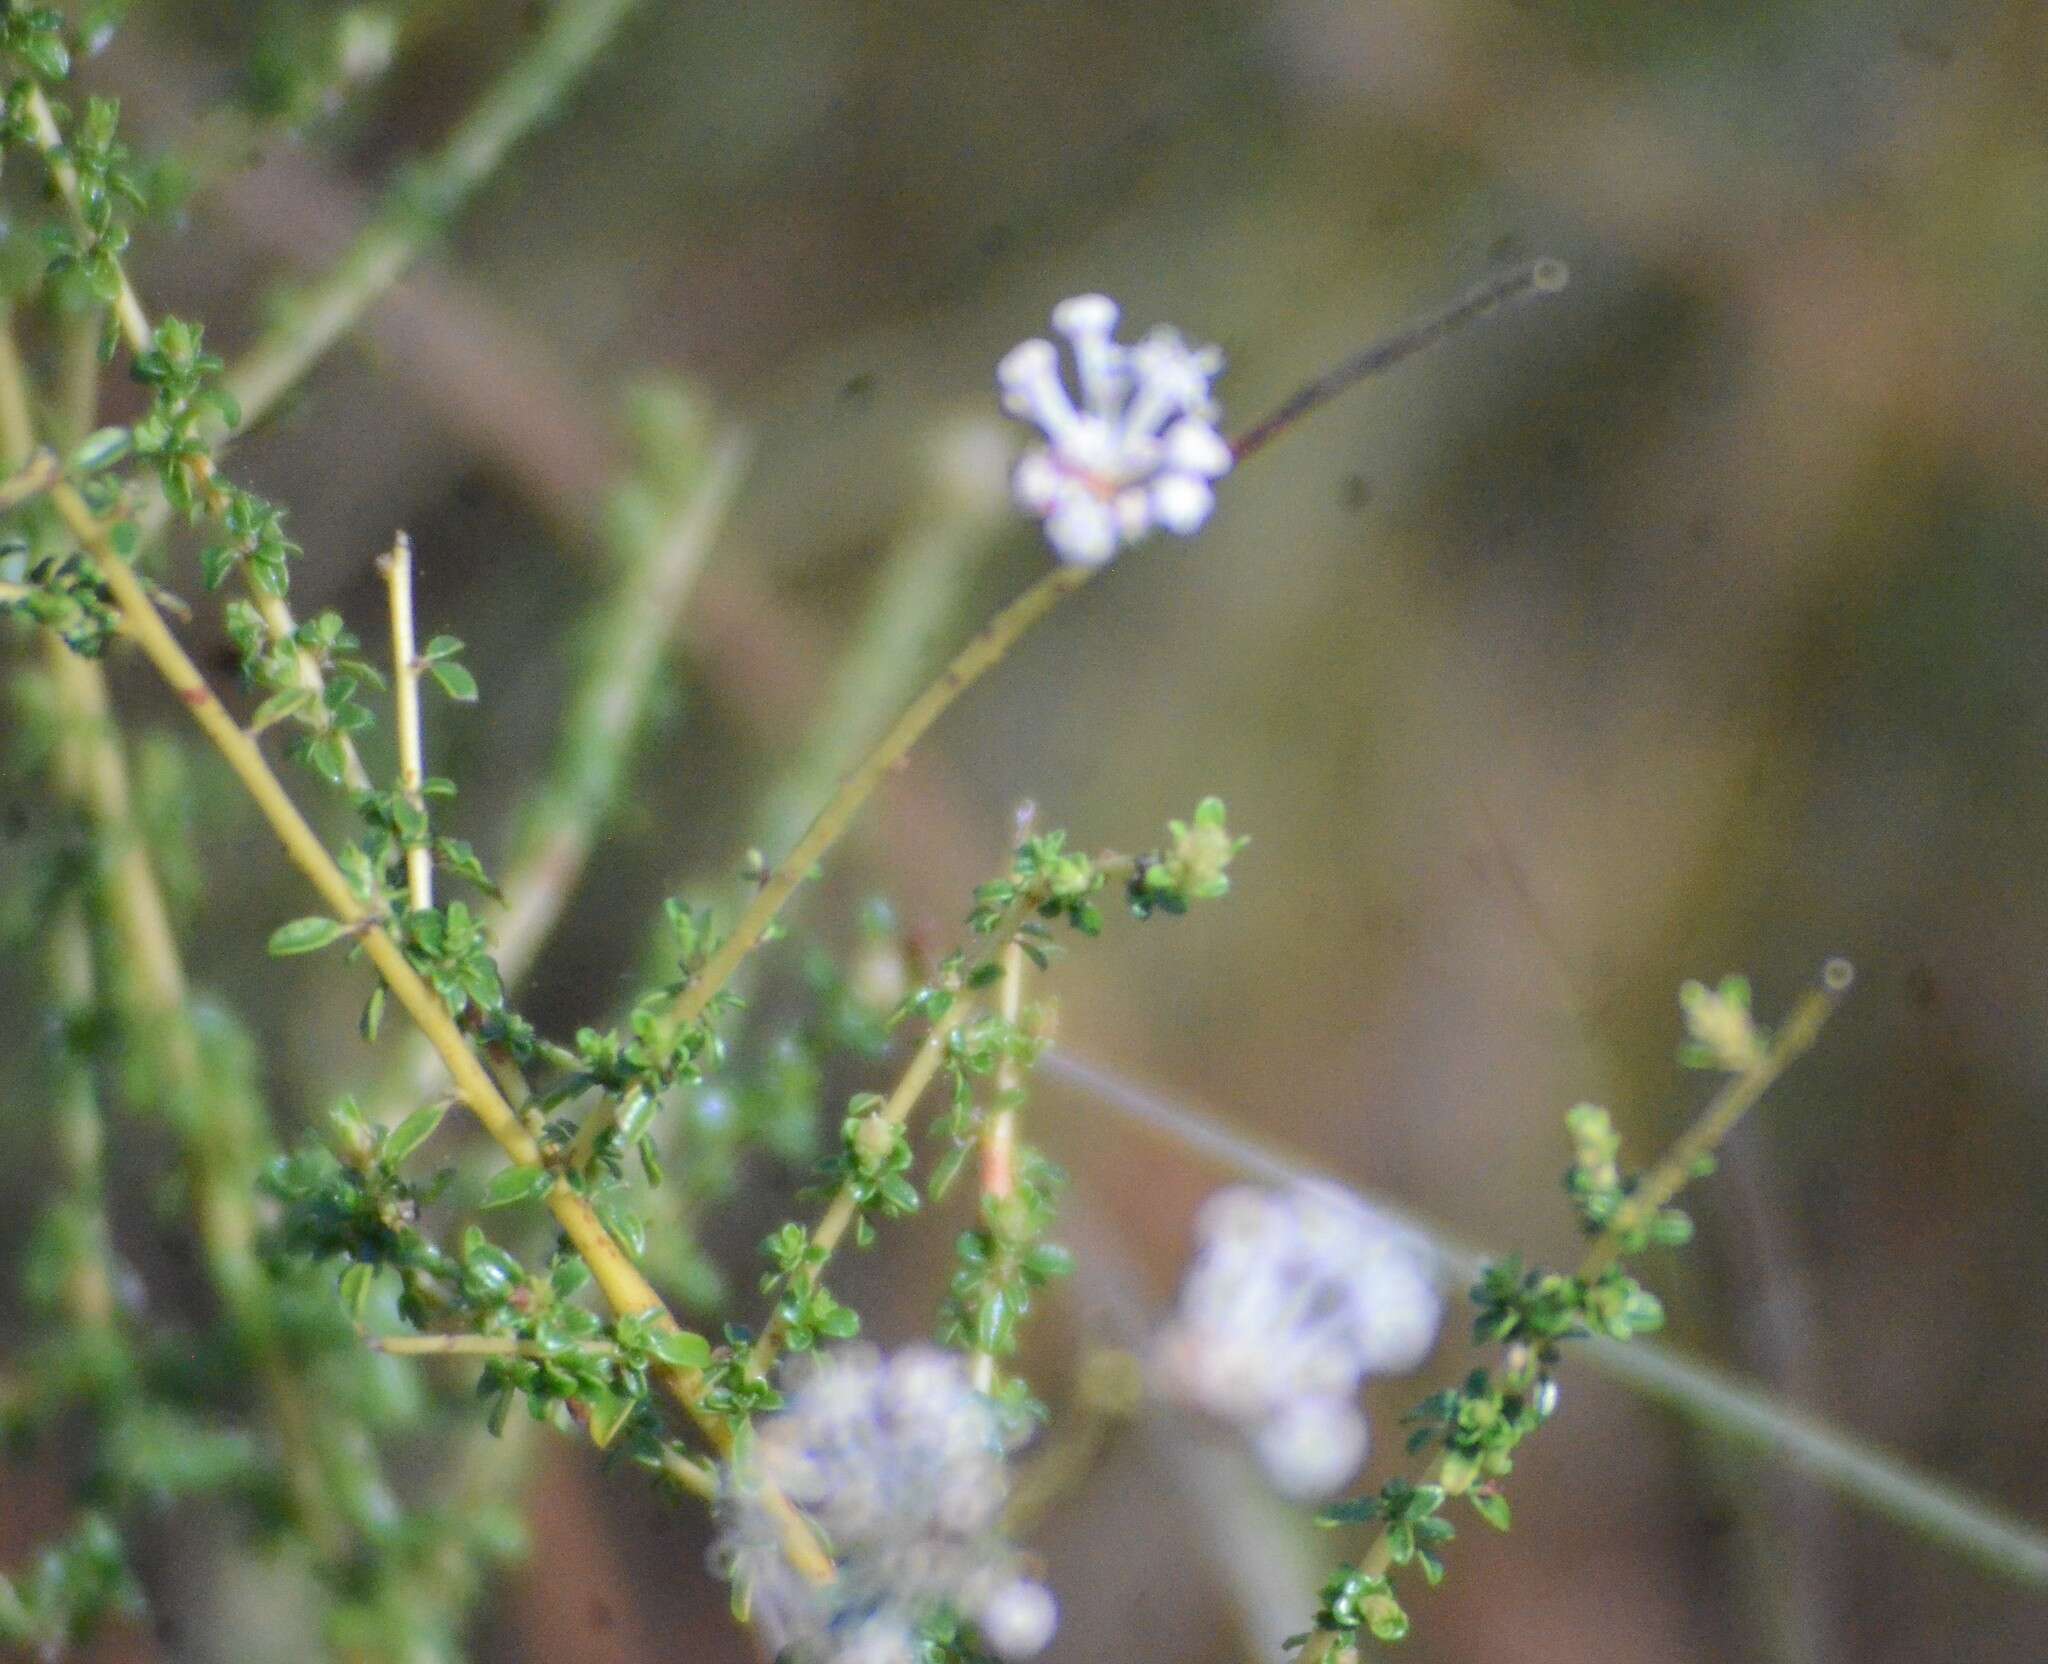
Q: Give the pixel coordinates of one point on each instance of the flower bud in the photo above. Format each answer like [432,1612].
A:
[874,1138]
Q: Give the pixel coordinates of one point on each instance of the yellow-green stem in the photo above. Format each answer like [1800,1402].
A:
[43,131]
[31,479]
[635,628]
[470,1346]
[17,417]
[87,1297]
[840,1213]
[405,699]
[624,1288]
[1741,1411]
[981,654]
[1738,1095]
[999,1134]
[93,772]
[1679,1164]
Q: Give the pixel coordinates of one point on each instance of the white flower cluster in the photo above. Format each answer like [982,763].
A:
[1295,1297]
[900,1463]
[1139,452]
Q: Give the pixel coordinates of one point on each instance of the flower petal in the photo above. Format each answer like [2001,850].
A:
[1195,447]
[1082,530]
[1181,502]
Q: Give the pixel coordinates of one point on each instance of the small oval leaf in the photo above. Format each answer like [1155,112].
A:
[456,681]
[411,1133]
[305,936]
[517,1184]
[680,1348]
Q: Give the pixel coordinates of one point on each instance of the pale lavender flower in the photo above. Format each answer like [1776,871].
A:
[1141,449]
[901,1465]
[1293,1299]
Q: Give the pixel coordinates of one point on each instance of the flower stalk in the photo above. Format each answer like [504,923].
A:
[396,568]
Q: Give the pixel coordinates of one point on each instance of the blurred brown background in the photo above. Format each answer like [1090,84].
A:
[1694,621]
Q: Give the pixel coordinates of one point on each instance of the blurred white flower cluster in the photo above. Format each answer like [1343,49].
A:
[1141,449]
[901,1465]
[1294,1297]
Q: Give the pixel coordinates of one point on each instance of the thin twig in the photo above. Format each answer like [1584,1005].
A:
[624,1287]
[1722,1403]
[632,626]
[981,654]
[1538,277]
[44,133]
[918,592]
[432,191]
[1681,1163]
[918,596]
[1933,1508]
[999,1131]
[996,638]
[31,479]
[17,418]
[1658,1186]
[147,977]
[413,212]
[636,624]
[396,566]
[844,1207]
[467,1345]
[999,1135]
[135,330]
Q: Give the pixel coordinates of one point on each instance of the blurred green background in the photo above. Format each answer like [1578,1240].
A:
[1696,620]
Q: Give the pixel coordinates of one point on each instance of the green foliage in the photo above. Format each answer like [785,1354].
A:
[277,1396]
[1192,867]
[64,593]
[1002,1264]
[1353,1600]
[75,1586]
[1722,1033]
[35,36]
[1476,1426]
[305,936]
[182,379]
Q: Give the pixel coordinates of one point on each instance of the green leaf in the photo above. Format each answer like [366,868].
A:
[279,706]
[840,1323]
[356,1283]
[456,682]
[609,1412]
[635,1116]
[98,450]
[625,1225]
[305,936]
[517,1184]
[328,758]
[1492,1507]
[680,1347]
[411,1133]
[1385,1618]
[947,1170]
[46,54]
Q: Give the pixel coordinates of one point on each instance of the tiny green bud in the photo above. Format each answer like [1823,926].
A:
[874,1138]
[1200,851]
[1718,1020]
[1384,1616]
